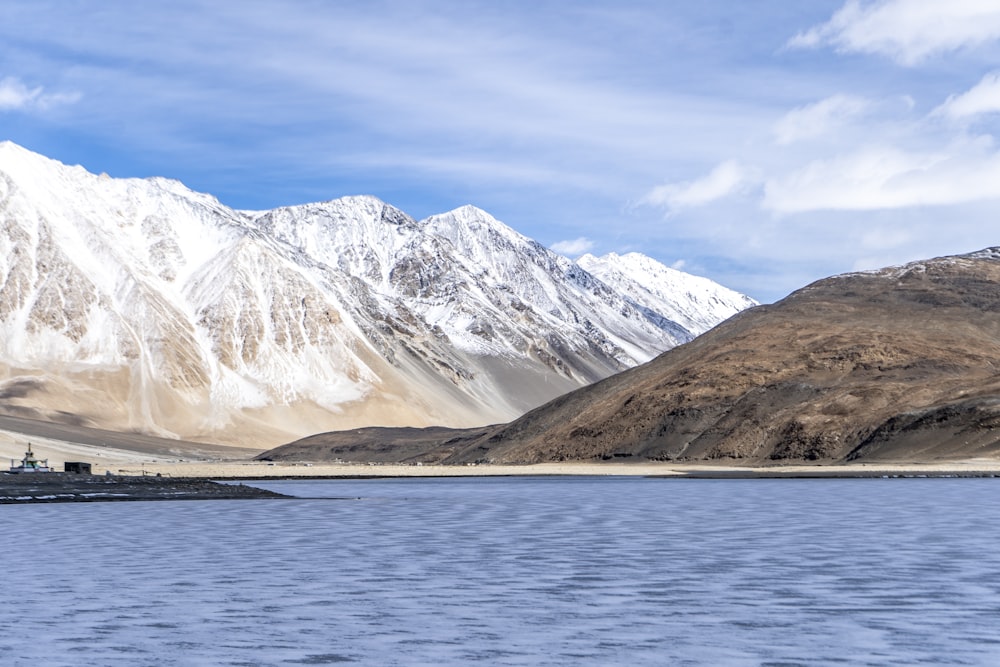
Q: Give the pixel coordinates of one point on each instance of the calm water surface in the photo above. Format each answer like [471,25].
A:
[513,571]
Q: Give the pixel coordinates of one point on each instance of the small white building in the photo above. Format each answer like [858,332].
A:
[30,464]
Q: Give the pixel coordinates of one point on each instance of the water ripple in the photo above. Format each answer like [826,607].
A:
[514,571]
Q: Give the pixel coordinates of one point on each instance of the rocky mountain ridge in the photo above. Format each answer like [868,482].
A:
[137,304]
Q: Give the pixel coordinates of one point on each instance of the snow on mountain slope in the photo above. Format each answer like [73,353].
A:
[696,303]
[139,304]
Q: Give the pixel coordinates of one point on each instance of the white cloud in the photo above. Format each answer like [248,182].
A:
[908,31]
[16,96]
[818,119]
[889,178]
[984,97]
[726,179]
[573,248]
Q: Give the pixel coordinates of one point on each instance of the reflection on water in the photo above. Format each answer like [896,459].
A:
[513,571]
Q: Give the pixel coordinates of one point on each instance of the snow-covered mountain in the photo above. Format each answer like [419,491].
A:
[139,304]
[696,303]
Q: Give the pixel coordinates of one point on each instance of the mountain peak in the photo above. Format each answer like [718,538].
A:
[358,200]
[696,303]
[470,211]
[9,146]
[475,225]
[14,156]
[466,215]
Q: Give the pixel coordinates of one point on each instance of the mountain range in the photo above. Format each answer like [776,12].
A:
[900,365]
[140,305]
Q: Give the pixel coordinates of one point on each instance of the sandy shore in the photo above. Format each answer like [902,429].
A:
[128,456]
[259,470]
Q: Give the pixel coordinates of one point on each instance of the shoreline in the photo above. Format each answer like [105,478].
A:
[217,480]
[246,470]
[127,455]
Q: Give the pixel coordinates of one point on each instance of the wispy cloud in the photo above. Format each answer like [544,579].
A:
[573,248]
[908,31]
[819,118]
[724,180]
[867,179]
[885,178]
[16,96]
[890,161]
[981,99]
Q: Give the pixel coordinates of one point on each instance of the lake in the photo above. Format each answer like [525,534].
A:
[513,571]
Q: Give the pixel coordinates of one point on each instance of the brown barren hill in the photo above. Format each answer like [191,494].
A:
[899,364]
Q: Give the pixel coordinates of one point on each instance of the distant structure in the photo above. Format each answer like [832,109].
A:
[78,467]
[30,464]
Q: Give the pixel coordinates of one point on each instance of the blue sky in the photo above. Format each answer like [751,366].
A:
[762,144]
